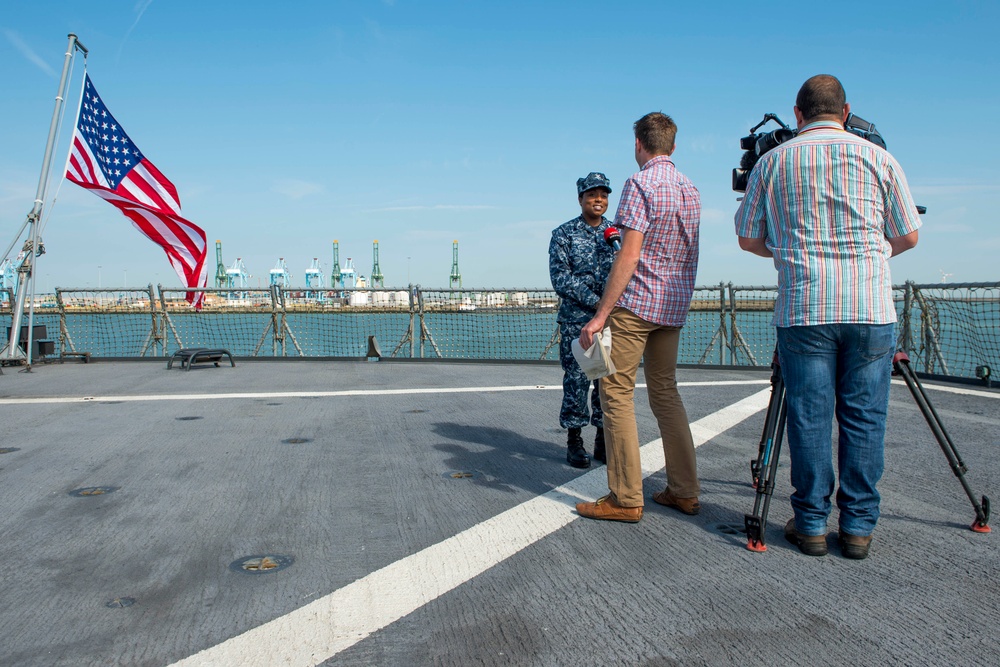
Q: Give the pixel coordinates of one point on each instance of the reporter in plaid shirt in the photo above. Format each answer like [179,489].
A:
[831,208]
[646,302]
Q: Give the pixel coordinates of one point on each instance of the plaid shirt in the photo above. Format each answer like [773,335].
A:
[825,202]
[663,205]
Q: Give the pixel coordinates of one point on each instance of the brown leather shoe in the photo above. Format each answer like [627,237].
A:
[854,546]
[689,506]
[810,545]
[606,508]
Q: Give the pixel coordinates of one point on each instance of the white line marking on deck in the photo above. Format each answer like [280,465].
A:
[330,394]
[390,392]
[320,630]
[954,390]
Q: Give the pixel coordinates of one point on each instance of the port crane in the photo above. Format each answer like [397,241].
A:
[8,276]
[335,276]
[377,279]
[348,274]
[236,275]
[280,275]
[456,276]
[315,281]
[220,267]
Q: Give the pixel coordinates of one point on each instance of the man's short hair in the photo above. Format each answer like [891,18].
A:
[821,95]
[656,132]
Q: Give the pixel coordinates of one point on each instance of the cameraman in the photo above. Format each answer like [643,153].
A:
[831,208]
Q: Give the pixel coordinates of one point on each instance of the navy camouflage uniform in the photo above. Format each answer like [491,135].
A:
[579,263]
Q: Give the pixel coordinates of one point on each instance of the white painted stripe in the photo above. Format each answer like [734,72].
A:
[949,389]
[322,629]
[320,394]
[399,392]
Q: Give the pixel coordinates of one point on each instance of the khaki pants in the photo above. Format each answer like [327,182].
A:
[633,339]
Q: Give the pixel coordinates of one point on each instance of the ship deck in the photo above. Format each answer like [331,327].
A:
[412,513]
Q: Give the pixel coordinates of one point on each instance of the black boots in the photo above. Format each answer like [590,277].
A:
[576,455]
[599,454]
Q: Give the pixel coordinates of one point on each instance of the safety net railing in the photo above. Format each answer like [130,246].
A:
[947,329]
[950,329]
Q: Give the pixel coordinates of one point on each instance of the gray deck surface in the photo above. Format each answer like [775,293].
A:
[214,465]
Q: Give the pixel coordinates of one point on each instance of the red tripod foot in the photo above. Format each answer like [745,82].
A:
[978,527]
[758,547]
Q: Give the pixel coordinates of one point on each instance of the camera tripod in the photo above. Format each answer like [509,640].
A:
[765,466]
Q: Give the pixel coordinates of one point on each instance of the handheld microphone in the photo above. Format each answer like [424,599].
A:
[613,238]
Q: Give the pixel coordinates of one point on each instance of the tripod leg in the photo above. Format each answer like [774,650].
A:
[767,463]
[763,449]
[901,365]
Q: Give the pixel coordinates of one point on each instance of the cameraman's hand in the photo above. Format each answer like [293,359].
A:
[589,330]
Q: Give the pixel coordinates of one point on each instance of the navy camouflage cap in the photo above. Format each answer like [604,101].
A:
[594,179]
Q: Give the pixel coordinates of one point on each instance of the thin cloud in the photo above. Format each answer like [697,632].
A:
[374,31]
[950,228]
[140,9]
[715,216]
[17,193]
[703,144]
[436,207]
[295,189]
[955,189]
[28,52]
[429,234]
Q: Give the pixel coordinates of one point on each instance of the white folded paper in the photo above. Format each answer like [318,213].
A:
[595,361]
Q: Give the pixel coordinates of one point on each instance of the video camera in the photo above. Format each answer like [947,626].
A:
[755,145]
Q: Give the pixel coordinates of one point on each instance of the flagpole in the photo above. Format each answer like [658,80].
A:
[33,246]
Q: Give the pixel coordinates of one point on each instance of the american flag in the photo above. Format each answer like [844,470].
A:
[105,161]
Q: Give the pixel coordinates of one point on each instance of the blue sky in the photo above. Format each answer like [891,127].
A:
[286,126]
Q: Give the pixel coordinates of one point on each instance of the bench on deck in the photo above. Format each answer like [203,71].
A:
[82,356]
[190,356]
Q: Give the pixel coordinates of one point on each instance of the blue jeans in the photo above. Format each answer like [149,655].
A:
[840,370]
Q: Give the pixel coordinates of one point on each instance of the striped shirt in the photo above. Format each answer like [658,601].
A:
[825,203]
[662,204]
